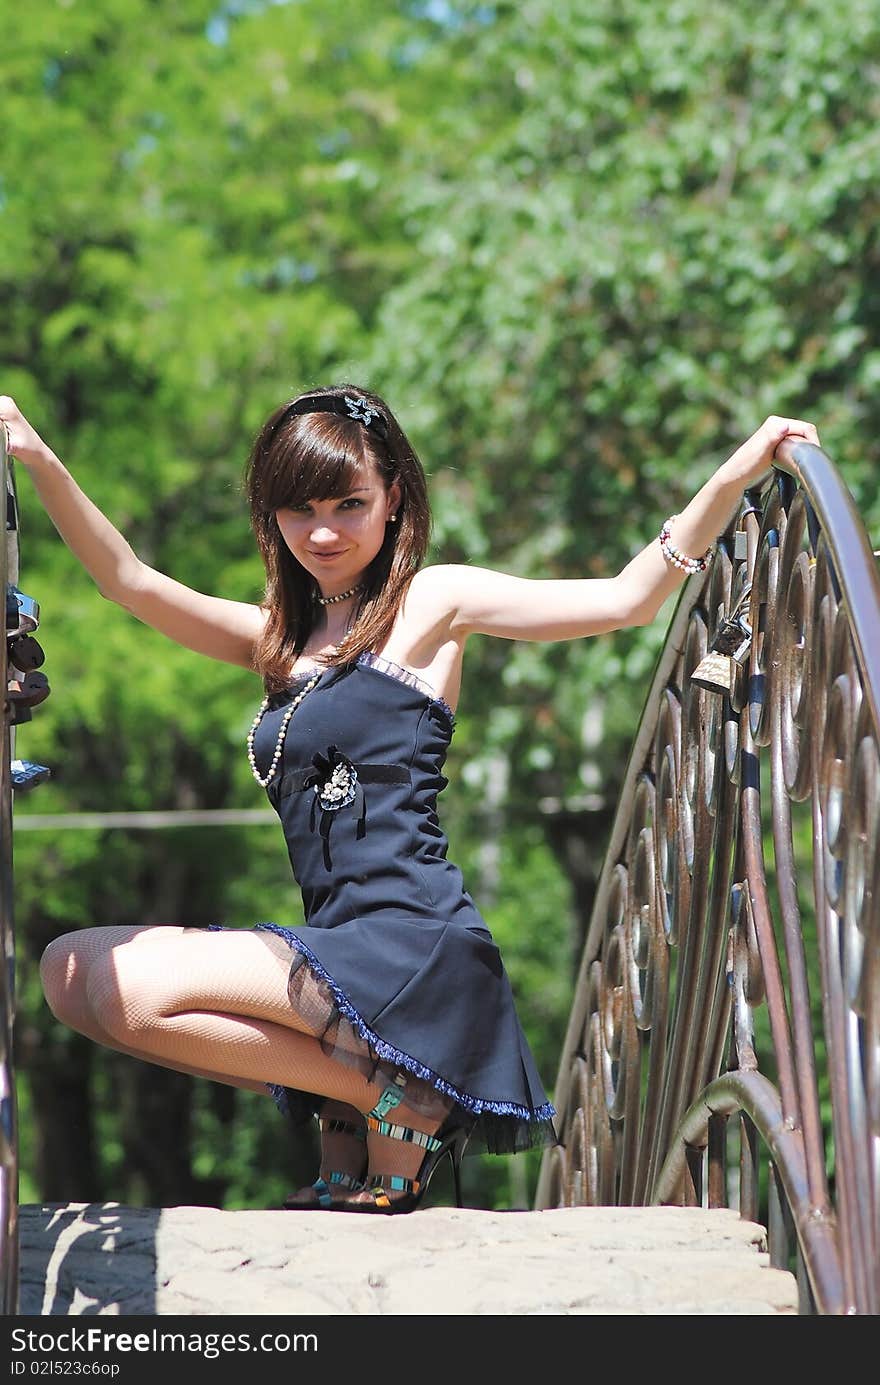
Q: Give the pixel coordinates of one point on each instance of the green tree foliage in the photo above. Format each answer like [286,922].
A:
[582,247]
[195,225]
[644,228]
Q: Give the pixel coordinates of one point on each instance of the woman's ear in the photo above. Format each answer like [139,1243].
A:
[393,501]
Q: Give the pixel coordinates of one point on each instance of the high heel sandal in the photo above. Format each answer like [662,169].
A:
[450,1142]
[318,1196]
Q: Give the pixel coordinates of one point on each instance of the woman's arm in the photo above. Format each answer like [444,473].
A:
[226,630]
[481,601]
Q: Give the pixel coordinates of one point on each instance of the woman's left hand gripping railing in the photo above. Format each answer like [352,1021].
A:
[26,687]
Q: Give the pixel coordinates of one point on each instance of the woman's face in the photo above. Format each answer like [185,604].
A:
[337,539]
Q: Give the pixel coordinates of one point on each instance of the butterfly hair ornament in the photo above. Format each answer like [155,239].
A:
[347,406]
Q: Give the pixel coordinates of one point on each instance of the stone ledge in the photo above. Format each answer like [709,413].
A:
[105,1258]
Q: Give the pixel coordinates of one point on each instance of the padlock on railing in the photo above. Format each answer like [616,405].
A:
[27,691]
[22,612]
[25,687]
[728,649]
[27,775]
[25,653]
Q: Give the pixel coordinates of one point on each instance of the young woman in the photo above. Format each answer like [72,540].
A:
[388,1011]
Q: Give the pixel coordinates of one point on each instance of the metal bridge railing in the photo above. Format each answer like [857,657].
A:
[8,1105]
[24,687]
[723,1047]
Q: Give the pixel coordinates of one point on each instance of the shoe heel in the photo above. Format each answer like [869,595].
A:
[452,1144]
[456,1153]
[456,1174]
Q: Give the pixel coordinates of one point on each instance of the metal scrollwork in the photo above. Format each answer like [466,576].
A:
[725,1039]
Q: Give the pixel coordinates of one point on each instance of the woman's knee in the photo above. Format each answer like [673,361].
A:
[69,960]
[63,971]
[87,979]
[118,995]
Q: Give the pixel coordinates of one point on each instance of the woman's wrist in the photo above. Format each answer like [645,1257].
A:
[734,475]
[22,440]
[37,459]
[748,466]
[688,563]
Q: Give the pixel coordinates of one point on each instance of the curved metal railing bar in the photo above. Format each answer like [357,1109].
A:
[693,1036]
[8,1108]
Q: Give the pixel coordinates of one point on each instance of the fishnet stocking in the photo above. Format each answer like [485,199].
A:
[211,1004]
[215,1005]
[341,1152]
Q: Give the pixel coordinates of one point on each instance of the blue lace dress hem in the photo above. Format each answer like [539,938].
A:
[498,1127]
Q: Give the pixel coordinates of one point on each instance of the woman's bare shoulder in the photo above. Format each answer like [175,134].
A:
[442,583]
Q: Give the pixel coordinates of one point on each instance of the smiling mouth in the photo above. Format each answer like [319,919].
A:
[337,553]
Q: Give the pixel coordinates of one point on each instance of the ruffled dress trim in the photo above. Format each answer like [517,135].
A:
[405,675]
[396,671]
[395,1055]
[499,1127]
[412,680]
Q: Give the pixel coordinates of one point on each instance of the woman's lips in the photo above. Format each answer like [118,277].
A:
[337,553]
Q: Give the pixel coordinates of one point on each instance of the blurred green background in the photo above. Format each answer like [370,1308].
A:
[583,248]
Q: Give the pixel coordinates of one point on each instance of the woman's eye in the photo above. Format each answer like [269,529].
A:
[353,502]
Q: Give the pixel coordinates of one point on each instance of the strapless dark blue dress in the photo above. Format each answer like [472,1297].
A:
[394,967]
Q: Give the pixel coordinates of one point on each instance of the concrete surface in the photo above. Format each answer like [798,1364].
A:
[103,1258]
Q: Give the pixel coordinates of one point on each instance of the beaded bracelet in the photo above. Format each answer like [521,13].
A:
[682,560]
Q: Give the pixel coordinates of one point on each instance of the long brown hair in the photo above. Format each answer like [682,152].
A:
[299,457]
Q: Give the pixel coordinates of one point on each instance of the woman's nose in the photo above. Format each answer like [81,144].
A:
[322,532]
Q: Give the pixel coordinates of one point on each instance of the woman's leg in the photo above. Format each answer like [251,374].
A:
[213,1004]
[64,969]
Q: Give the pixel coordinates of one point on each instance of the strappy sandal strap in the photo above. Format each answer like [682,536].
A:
[391,1097]
[323,1186]
[404,1133]
[395,1183]
[335,1126]
[345,1180]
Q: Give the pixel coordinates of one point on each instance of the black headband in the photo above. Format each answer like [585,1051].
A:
[347,406]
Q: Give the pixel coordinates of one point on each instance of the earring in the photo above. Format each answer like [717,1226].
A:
[392,519]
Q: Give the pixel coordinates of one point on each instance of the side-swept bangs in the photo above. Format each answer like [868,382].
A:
[310,457]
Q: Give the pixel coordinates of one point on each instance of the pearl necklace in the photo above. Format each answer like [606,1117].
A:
[343,596]
[279,744]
